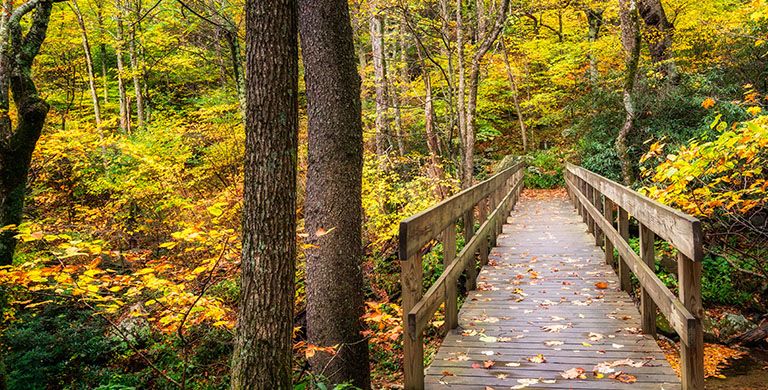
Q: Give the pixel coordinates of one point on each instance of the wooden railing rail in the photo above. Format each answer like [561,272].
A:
[595,198]
[491,200]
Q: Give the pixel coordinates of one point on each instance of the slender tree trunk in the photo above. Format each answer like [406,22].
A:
[659,36]
[237,70]
[466,182]
[394,94]
[435,169]
[125,108]
[515,97]
[263,342]
[333,209]
[445,48]
[103,50]
[474,79]
[136,74]
[630,40]
[595,21]
[380,80]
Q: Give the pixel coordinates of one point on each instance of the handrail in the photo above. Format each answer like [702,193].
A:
[595,198]
[493,199]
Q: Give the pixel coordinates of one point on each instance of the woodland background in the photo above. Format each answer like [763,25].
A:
[127,270]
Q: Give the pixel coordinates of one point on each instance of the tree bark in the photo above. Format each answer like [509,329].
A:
[658,35]
[474,79]
[380,80]
[333,209]
[263,343]
[17,53]
[88,64]
[136,73]
[435,169]
[515,97]
[460,97]
[125,109]
[595,21]
[630,41]
[394,92]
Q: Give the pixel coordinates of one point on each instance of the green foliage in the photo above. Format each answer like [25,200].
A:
[720,283]
[545,169]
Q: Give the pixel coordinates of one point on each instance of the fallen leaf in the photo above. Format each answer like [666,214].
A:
[512,364]
[553,343]
[554,328]
[623,377]
[447,373]
[601,285]
[574,373]
[537,359]
[488,364]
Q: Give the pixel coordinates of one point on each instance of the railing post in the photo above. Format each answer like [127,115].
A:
[411,276]
[624,271]
[608,215]
[597,202]
[647,306]
[583,210]
[590,198]
[469,232]
[691,356]
[451,293]
[483,215]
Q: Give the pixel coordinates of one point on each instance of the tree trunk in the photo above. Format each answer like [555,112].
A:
[515,97]
[474,79]
[380,80]
[263,344]
[237,68]
[595,21]
[333,209]
[136,73]
[630,41]
[435,169]
[445,49]
[658,35]
[88,65]
[125,109]
[466,182]
[103,50]
[394,94]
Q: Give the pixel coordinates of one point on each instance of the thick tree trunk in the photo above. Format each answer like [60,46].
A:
[333,209]
[630,41]
[263,343]
[125,109]
[380,80]
[474,79]
[595,21]
[17,53]
[515,97]
[658,35]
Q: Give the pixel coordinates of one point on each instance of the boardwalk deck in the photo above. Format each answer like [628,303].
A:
[543,273]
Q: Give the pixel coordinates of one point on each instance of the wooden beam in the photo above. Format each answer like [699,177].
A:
[648,255]
[607,244]
[692,352]
[411,275]
[451,288]
[679,229]
[624,279]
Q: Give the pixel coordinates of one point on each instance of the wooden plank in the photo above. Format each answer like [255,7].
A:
[607,244]
[451,288]
[648,254]
[681,230]
[470,268]
[692,353]
[597,201]
[678,316]
[419,229]
[483,207]
[624,277]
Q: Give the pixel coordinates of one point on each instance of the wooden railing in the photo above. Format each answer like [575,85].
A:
[595,198]
[492,199]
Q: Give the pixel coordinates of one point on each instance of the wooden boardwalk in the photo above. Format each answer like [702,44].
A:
[546,306]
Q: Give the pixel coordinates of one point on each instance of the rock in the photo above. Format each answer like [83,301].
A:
[710,333]
[734,324]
